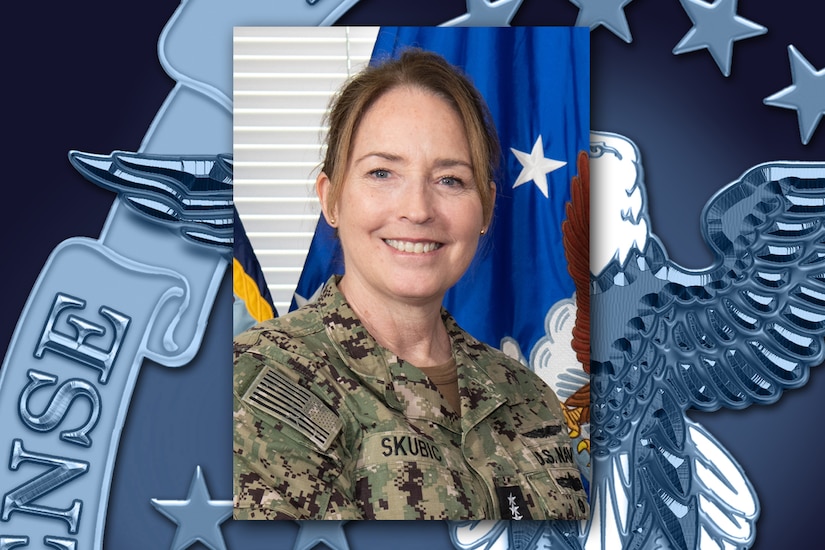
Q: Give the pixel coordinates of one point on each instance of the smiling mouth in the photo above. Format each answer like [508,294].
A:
[415,248]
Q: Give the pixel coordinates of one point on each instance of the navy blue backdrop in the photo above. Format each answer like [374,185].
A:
[85,76]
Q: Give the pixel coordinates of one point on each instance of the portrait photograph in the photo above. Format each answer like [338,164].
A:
[411,273]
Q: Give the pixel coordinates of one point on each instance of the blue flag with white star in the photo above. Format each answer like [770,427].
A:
[536,81]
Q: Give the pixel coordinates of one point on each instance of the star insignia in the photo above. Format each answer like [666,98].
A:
[312,533]
[535,166]
[716,27]
[514,513]
[609,13]
[806,94]
[198,517]
[483,13]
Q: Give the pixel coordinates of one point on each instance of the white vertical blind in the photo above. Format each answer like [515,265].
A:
[284,78]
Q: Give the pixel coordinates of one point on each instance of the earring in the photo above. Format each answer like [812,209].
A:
[483,231]
[332,222]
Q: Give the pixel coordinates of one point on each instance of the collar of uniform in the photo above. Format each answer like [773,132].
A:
[382,371]
[401,385]
[356,346]
[479,376]
[418,395]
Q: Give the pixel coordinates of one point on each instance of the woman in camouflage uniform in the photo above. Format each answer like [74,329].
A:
[372,403]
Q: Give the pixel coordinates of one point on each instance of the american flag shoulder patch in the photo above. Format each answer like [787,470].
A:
[282,398]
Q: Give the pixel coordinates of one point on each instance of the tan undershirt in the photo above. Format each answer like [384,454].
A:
[445,377]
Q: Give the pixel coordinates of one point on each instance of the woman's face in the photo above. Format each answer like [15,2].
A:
[409,214]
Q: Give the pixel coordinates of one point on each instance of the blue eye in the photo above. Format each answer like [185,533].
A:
[380,173]
[451,181]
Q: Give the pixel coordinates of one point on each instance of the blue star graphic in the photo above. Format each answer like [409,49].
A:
[483,13]
[609,13]
[198,517]
[312,533]
[716,27]
[806,94]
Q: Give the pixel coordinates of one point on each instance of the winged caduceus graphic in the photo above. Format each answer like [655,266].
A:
[737,333]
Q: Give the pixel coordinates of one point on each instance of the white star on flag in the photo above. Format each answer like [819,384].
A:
[536,166]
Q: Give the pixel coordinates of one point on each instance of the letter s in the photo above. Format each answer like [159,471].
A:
[385,443]
[58,406]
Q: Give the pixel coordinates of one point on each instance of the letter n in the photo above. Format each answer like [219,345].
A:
[21,499]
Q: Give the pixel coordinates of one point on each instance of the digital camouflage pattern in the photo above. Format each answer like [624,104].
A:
[330,425]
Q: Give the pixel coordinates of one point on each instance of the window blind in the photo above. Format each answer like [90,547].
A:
[283,80]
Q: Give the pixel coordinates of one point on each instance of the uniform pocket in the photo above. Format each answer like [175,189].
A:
[553,475]
[405,489]
[402,475]
[561,493]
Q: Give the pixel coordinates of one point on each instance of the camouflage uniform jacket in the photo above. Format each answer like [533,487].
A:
[330,425]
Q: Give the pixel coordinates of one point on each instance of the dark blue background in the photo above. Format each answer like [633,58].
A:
[86,76]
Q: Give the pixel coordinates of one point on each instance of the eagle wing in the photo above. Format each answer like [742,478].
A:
[193,193]
[735,334]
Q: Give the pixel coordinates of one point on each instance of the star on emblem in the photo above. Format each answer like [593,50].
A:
[198,517]
[483,13]
[313,533]
[806,94]
[536,166]
[716,27]
[609,13]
